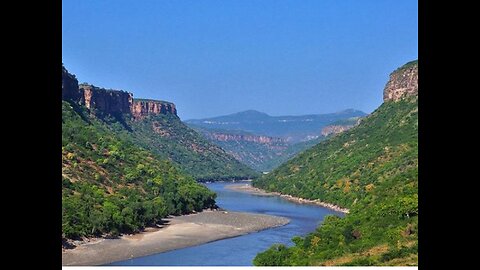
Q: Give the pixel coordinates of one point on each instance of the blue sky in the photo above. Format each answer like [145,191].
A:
[215,57]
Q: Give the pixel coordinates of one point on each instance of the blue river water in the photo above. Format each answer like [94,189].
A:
[240,251]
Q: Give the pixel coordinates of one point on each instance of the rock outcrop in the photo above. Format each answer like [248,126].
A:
[111,101]
[403,82]
[223,137]
[340,126]
[335,129]
[144,107]
[70,88]
[107,100]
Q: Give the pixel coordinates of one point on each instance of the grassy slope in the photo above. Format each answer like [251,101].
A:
[371,169]
[168,137]
[110,185]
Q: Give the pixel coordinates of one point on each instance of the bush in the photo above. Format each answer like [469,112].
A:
[275,255]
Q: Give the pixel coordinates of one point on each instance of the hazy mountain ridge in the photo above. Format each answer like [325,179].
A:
[291,128]
[264,152]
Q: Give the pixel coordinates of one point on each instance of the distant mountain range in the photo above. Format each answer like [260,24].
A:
[263,142]
[292,129]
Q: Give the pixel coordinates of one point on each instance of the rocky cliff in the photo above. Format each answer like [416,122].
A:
[334,129]
[70,88]
[224,137]
[403,82]
[107,100]
[111,101]
[340,126]
[144,107]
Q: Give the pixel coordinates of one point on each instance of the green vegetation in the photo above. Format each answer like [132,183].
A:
[282,156]
[111,185]
[262,157]
[168,137]
[371,169]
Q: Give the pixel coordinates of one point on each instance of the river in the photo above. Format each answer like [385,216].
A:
[240,251]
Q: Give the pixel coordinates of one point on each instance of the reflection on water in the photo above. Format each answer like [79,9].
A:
[240,251]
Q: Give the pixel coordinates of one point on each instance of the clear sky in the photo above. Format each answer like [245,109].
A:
[215,57]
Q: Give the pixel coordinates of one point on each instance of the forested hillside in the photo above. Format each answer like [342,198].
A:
[111,186]
[155,126]
[166,136]
[371,169]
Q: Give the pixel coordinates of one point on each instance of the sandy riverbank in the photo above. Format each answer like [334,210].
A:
[260,192]
[182,231]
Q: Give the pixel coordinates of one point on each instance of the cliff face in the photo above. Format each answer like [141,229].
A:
[247,138]
[340,126]
[142,108]
[334,129]
[403,82]
[70,88]
[111,101]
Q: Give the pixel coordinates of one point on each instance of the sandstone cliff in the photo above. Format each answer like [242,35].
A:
[111,101]
[403,82]
[144,107]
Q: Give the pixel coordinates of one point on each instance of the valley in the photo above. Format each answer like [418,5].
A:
[263,142]
[345,196]
[234,133]
[122,170]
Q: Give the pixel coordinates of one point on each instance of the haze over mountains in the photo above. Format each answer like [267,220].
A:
[263,142]
[292,129]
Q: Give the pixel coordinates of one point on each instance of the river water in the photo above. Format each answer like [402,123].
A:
[240,251]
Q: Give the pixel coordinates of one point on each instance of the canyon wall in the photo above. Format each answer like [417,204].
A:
[144,107]
[107,100]
[223,137]
[111,101]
